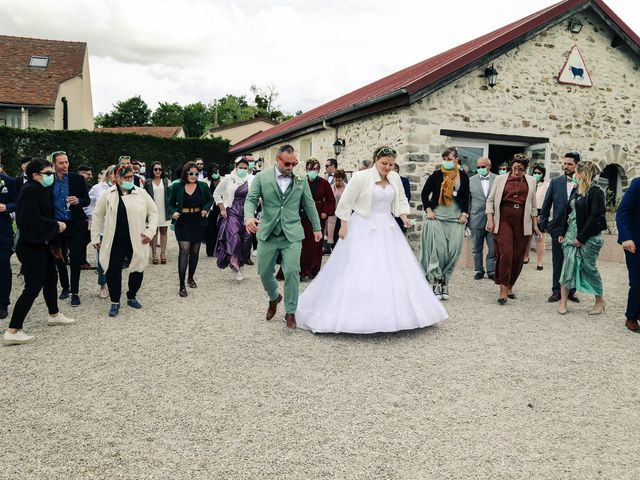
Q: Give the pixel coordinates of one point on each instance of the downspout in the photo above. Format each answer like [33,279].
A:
[65,114]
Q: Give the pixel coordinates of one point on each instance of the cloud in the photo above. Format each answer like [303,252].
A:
[197,50]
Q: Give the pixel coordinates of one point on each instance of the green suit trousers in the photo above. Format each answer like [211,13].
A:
[268,252]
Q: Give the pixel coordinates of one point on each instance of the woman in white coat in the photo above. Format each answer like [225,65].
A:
[372,282]
[127,217]
[233,249]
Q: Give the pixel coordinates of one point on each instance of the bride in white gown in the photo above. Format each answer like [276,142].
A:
[372,282]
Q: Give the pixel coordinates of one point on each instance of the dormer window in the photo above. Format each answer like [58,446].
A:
[39,62]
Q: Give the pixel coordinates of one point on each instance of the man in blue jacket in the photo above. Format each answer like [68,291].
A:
[7,207]
[628,221]
[557,197]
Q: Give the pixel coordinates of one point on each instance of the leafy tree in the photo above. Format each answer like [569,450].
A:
[231,109]
[196,119]
[133,112]
[168,115]
[265,100]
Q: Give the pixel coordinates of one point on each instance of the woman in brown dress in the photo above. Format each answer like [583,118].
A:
[511,216]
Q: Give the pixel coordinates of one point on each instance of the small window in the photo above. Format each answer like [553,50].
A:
[39,62]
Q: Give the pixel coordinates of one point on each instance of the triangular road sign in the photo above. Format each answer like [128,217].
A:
[575,71]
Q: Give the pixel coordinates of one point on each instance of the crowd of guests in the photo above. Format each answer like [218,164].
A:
[127,213]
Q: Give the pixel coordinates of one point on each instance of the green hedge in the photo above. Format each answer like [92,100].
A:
[99,150]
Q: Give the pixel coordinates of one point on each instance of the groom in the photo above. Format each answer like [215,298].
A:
[279,231]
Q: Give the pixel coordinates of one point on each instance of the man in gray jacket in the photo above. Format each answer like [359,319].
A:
[479,187]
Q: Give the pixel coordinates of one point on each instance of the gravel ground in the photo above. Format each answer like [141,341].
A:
[204,388]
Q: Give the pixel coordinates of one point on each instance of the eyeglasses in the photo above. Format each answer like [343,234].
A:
[157,169]
[124,157]
[192,174]
[385,152]
[199,164]
[290,164]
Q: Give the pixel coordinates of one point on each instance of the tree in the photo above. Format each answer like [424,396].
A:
[196,119]
[231,109]
[168,115]
[133,112]
[265,100]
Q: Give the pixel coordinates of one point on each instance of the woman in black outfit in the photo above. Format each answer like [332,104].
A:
[37,250]
[189,204]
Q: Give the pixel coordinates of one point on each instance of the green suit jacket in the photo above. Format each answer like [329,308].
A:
[281,212]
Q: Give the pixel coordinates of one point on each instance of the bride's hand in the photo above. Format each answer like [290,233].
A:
[342,232]
[405,221]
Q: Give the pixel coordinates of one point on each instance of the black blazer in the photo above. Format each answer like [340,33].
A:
[431,191]
[34,215]
[590,213]
[77,188]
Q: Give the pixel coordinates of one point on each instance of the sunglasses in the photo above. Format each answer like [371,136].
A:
[124,157]
[192,174]
[157,169]
[46,173]
[520,156]
[385,152]
[290,164]
[199,164]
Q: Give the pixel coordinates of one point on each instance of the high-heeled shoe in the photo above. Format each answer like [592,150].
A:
[597,309]
[562,311]
[163,258]
[183,291]
[155,259]
[502,301]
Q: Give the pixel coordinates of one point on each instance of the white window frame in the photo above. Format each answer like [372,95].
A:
[35,59]
[13,116]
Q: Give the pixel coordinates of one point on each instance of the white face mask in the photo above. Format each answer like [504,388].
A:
[142,170]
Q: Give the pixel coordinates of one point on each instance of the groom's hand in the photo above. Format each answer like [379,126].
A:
[252,225]
[317,236]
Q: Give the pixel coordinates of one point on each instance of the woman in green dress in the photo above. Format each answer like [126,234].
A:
[582,240]
[445,199]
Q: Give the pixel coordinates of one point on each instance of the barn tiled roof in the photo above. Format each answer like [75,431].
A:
[24,85]
[164,132]
[424,74]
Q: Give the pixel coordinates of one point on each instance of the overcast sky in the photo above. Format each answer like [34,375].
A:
[312,51]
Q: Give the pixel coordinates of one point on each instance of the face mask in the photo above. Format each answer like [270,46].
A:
[47,180]
[447,165]
[538,177]
[574,180]
[215,176]
[252,165]
[482,171]
[142,170]
[312,174]
[242,173]
[502,172]
[127,186]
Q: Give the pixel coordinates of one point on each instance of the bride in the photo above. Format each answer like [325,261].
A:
[372,282]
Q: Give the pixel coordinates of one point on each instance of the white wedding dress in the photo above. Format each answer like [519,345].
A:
[372,282]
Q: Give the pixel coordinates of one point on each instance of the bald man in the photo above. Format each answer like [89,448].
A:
[479,188]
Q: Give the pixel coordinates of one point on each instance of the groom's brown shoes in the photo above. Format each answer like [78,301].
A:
[273,306]
[290,318]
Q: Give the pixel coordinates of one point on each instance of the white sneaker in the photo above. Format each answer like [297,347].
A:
[237,276]
[18,338]
[104,291]
[444,289]
[60,319]
[437,291]
[254,253]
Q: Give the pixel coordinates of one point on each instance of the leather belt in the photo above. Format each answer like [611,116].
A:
[191,210]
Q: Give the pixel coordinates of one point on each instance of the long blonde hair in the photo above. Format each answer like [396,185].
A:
[588,170]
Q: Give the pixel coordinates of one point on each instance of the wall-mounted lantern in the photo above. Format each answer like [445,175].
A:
[491,75]
[338,146]
[575,25]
